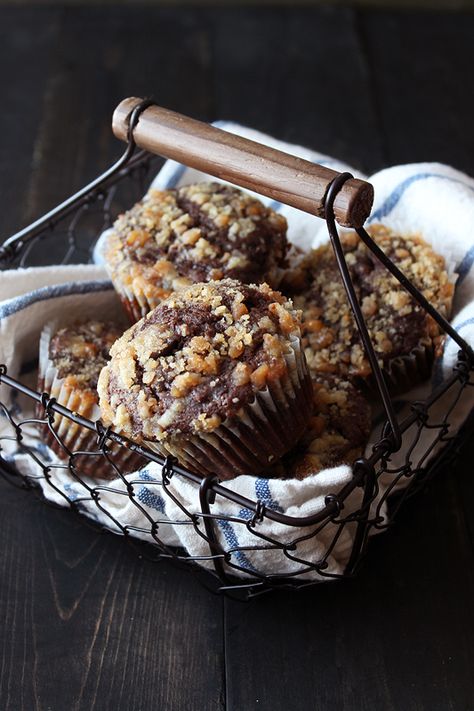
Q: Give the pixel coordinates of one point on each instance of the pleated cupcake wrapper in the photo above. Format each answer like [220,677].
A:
[135,302]
[134,299]
[268,428]
[72,435]
[404,372]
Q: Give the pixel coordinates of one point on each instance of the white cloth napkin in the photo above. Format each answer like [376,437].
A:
[431,199]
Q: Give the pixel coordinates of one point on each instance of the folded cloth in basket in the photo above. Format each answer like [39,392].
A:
[431,199]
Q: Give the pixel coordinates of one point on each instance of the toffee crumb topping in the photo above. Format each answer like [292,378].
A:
[195,233]
[396,323]
[197,359]
[80,351]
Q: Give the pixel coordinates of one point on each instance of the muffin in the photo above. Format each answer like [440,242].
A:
[196,233]
[71,359]
[215,376]
[405,338]
[337,434]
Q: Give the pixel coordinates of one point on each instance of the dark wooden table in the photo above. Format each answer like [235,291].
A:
[84,623]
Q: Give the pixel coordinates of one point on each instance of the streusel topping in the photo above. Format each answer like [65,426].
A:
[396,323]
[195,233]
[197,359]
[80,351]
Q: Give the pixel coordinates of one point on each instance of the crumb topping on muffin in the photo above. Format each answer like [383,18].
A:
[396,323]
[197,359]
[195,233]
[80,351]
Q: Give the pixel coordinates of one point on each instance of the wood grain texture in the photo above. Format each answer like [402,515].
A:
[390,639]
[87,625]
[425,102]
[399,636]
[302,78]
[29,48]
[83,623]
[251,165]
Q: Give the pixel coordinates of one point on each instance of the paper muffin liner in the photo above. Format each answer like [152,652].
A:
[72,435]
[402,373]
[135,301]
[268,428]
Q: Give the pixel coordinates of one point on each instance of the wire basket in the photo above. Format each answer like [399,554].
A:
[396,458]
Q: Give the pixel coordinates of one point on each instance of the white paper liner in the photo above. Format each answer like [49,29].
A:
[269,427]
[73,436]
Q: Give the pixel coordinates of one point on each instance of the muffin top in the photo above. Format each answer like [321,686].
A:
[196,233]
[396,323]
[197,359]
[338,431]
[80,351]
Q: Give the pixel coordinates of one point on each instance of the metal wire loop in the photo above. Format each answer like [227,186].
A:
[419,408]
[102,434]
[8,252]
[222,517]
[463,367]
[167,469]
[259,514]
[47,403]
[134,117]
[334,501]
[382,388]
[206,494]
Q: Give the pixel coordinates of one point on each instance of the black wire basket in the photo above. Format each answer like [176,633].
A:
[76,224]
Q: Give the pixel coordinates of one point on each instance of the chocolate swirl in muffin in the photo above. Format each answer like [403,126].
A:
[200,360]
[398,326]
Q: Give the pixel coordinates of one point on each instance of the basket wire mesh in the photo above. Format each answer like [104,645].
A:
[77,223]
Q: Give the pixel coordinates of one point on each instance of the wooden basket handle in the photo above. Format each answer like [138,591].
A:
[281,176]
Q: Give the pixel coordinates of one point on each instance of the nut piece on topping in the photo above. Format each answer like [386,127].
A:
[214,375]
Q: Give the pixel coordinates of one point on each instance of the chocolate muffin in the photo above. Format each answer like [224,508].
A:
[404,336]
[338,432]
[71,359]
[214,375]
[196,233]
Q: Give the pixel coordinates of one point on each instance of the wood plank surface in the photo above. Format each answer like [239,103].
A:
[84,624]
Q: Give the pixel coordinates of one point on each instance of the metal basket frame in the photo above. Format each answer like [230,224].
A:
[134,165]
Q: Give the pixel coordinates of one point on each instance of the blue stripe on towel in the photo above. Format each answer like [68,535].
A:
[72,494]
[397,193]
[263,493]
[147,497]
[262,490]
[175,177]
[467,322]
[233,542]
[465,266]
[438,375]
